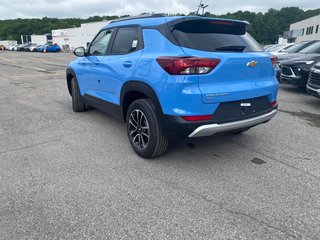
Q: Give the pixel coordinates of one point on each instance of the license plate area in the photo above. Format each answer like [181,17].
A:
[242,109]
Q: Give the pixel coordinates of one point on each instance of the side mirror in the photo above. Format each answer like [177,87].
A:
[80,52]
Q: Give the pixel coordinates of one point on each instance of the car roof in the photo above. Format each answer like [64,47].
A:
[157,19]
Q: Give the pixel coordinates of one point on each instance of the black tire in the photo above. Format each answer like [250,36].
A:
[77,101]
[157,142]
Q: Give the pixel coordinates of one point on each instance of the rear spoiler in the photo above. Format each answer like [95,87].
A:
[215,25]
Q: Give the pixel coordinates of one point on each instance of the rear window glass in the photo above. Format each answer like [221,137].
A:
[215,36]
[126,41]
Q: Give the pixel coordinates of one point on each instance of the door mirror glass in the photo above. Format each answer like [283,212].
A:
[80,52]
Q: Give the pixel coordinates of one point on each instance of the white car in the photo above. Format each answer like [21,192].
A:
[279,49]
[33,47]
[10,48]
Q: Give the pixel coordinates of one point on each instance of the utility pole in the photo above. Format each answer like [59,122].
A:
[202,6]
[199,7]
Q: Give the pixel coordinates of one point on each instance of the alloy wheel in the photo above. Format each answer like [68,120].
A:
[139,129]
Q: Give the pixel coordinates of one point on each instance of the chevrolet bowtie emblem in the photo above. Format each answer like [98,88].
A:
[252,64]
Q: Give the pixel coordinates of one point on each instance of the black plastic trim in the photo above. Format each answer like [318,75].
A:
[143,88]
[70,71]
[154,15]
[107,107]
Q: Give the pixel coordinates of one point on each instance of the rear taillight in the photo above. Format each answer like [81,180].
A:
[197,118]
[187,65]
[274,61]
[274,104]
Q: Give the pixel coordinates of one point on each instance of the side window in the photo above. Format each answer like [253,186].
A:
[100,43]
[126,41]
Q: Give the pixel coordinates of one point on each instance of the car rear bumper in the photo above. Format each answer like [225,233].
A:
[313,91]
[211,129]
[294,81]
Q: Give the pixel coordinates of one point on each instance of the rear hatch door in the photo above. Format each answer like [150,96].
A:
[245,70]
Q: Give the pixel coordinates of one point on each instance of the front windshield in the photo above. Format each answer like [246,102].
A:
[314,48]
[293,48]
[276,48]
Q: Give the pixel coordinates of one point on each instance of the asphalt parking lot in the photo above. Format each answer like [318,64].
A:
[66,175]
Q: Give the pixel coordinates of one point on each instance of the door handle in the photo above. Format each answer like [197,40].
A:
[127,64]
[96,62]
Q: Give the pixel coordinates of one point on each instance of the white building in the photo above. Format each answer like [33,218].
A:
[39,39]
[77,37]
[305,30]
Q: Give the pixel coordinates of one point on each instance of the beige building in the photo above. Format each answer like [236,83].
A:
[305,30]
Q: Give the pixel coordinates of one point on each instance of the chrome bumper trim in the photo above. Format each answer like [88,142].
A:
[314,90]
[211,129]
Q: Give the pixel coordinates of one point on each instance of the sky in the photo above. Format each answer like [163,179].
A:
[11,9]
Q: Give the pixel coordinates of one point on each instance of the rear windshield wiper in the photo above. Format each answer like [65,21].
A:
[231,48]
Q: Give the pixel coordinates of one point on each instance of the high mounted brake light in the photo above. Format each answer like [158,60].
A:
[187,65]
[222,23]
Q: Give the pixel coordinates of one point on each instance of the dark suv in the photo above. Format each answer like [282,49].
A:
[313,86]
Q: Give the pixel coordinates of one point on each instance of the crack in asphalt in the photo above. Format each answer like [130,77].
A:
[30,146]
[273,158]
[206,198]
[32,69]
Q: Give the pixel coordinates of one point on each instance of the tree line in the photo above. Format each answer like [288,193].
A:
[265,27]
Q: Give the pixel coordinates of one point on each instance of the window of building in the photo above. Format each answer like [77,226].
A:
[309,30]
[317,28]
[302,32]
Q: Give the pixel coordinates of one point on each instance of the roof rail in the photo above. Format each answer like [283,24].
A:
[143,15]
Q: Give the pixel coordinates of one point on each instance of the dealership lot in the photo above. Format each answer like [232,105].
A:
[74,175]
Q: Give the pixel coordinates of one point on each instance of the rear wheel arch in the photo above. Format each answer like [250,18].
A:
[69,75]
[133,90]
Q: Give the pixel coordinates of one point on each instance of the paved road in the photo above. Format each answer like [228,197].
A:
[74,176]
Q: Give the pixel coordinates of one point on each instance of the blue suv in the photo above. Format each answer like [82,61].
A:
[175,78]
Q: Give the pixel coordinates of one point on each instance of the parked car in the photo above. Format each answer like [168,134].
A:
[35,48]
[16,47]
[174,78]
[296,71]
[313,86]
[21,47]
[29,47]
[12,47]
[312,48]
[298,47]
[278,49]
[49,48]
[268,46]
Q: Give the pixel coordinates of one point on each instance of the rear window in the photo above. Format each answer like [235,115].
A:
[126,41]
[215,36]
